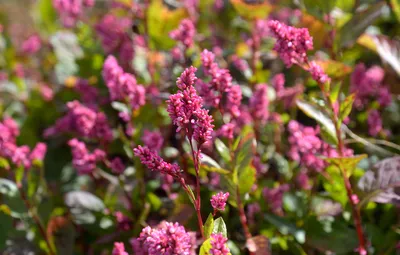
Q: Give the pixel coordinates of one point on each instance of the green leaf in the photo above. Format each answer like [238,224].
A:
[192,195]
[334,93]
[205,247]
[318,8]
[247,178]
[223,150]
[244,156]
[6,225]
[345,107]
[321,118]
[154,200]
[45,15]
[161,21]
[252,11]
[395,4]
[214,169]
[227,184]
[346,164]
[350,32]
[286,227]
[330,235]
[208,226]
[220,227]
[335,185]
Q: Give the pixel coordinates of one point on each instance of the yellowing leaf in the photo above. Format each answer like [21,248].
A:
[161,21]
[316,28]
[346,164]
[252,11]
[367,41]
[335,69]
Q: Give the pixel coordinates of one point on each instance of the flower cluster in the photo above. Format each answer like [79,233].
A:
[121,85]
[84,121]
[167,239]
[31,45]
[307,148]
[119,249]
[218,245]
[154,162]
[292,43]
[186,112]
[218,201]
[374,121]
[184,33]
[368,85]
[19,155]
[287,95]
[259,103]
[153,140]
[318,73]
[82,159]
[274,196]
[70,10]
[219,86]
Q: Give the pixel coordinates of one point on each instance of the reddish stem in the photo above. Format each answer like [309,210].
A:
[349,190]
[196,163]
[35,218]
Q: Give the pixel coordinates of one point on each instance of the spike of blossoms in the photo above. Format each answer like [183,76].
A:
[82,159]
[292,43]
[154,162]
[318,73]
[184,33]
[218,245]
[259,103]
[218,201]
[219,86]
[167,239]
[186,112]
[70,10]
[122,86]
[119,249]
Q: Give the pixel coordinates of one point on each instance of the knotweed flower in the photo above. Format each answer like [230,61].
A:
[184,33]
[117,166]
[259,103]
[119,249]
[186,112]
[82,159]
[218,201]
[374,123]
[167,239]
[292,43]
[31,45]
[154,162]
[153,140]
[274,196]
[122,86]
[218,245]
[318,73]
[38,152]
[367,84]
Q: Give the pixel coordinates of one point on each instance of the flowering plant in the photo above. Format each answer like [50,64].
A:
[199,127]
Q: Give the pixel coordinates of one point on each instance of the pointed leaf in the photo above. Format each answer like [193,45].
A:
[358,24]
[222,150]
[345,107]
[220,227]
[320,117]
[208,226]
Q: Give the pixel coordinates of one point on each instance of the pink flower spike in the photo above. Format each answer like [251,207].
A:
[318,73]
[292,43]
